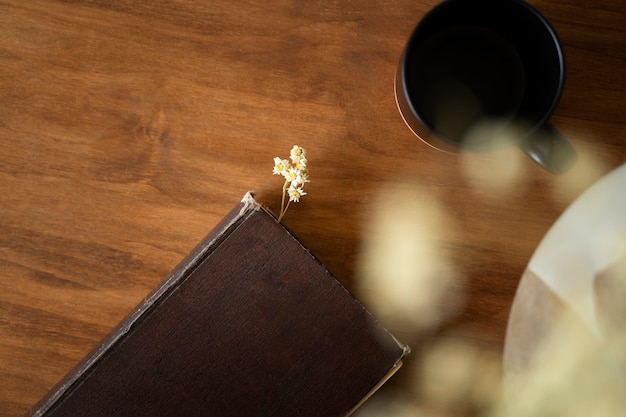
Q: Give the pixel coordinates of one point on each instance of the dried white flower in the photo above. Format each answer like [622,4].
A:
[294,171]
[295,193]
[280,166]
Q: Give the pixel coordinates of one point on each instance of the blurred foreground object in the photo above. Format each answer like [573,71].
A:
[404,274]
[572,374]
[565,352]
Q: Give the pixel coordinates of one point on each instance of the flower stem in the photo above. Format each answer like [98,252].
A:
[283,207]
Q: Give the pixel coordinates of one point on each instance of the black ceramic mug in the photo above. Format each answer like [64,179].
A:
[476,71]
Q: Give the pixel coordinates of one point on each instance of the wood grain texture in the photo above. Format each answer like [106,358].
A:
[129,129]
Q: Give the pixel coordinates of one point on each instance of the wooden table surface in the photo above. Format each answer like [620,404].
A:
[128,129]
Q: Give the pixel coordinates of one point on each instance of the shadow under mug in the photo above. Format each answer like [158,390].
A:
[478,74]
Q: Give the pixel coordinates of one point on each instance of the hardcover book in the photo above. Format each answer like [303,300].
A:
[250,323]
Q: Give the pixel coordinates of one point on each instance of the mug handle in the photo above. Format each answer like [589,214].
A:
[548,148]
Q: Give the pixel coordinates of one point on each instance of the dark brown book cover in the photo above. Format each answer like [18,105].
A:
[248,324]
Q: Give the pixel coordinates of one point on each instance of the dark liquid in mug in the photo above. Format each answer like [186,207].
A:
[462,77]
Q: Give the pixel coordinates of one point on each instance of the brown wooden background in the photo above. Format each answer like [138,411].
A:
[128,129]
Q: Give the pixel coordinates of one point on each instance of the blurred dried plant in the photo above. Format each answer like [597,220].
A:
[404,274]
[404,277]
[587,170]
[574,374]
[498,171]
